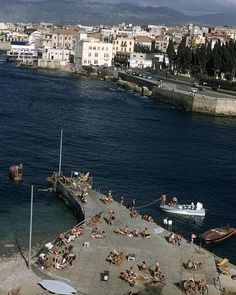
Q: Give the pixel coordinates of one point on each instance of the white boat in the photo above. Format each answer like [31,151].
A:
[193,210]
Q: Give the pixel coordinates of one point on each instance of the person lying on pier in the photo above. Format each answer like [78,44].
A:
[145,233]
[63,239]
[201,286]
[77,231]
[47,263]
[191,265]
[147,217]
[106,199]
[55,249]
[95,219]
[70,258]
[135,233]
[130,280]
[143,267]
[98,234]
[115,257]
[123,231]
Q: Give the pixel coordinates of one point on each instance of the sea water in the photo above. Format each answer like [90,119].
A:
[131,145]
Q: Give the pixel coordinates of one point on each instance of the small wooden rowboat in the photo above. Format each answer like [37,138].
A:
[218,234]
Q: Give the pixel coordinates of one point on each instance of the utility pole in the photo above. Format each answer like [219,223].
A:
[59,170]
[30,232]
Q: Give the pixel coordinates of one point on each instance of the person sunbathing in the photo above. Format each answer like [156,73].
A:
[145,233]
[143,266]
[63,239]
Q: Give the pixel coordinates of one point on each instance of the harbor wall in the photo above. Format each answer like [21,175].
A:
[70,200]
[183,100]
[174,98]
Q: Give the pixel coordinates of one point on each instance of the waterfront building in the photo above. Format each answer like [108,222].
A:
[93,52]
[23,52]
[140,60]
[64,38]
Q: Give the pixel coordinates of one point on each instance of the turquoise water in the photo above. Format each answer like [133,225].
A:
[131,144]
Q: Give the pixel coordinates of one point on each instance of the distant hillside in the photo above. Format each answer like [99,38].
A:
[91,12]
[86,12]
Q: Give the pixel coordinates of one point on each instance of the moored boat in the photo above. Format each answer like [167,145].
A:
[218,234]
[16,172]
[175,208]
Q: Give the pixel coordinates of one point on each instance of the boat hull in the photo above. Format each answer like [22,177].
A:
[216,235]
[181,211]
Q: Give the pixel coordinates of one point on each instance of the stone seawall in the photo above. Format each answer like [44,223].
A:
[70,200]
[197,103]
[182,99]
[174,98]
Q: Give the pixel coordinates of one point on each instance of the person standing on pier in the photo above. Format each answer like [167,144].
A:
[122,200]
[133,202]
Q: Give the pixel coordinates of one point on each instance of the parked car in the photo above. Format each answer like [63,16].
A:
[201,88]
[216,87]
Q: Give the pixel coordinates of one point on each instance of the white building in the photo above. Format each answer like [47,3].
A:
[57,54]
[93,52]
[22,51]
[139,60]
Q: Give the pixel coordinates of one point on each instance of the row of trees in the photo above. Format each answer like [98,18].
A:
[204,60]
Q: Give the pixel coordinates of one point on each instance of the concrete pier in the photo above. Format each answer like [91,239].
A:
[86,273]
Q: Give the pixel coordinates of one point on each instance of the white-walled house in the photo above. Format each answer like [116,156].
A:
[139,60]
[93,52]
[57,54]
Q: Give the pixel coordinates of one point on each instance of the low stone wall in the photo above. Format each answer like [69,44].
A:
[56,65]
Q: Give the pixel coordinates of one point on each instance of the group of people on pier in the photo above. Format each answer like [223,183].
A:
[146,274]
[60,254]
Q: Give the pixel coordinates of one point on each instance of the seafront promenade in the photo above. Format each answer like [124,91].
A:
[86,273]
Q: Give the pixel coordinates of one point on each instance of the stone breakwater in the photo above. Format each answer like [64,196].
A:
[219,106]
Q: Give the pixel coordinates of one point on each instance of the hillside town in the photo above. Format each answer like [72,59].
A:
[69,48]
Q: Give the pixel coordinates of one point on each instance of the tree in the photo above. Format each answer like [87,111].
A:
[171,53]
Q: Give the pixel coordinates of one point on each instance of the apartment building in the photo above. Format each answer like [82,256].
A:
[123,44]
[64,38]
[93,52]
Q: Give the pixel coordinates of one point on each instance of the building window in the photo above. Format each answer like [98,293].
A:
[90,47]
[94,48]
[98,48]
[106,48]
[106,55]
[85,61]
[95,61]
[89,54]
[96,54]
[117,42]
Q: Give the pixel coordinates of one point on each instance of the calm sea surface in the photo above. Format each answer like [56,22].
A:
[131,144]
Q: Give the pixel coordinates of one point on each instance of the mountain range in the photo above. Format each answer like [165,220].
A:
[92,12]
